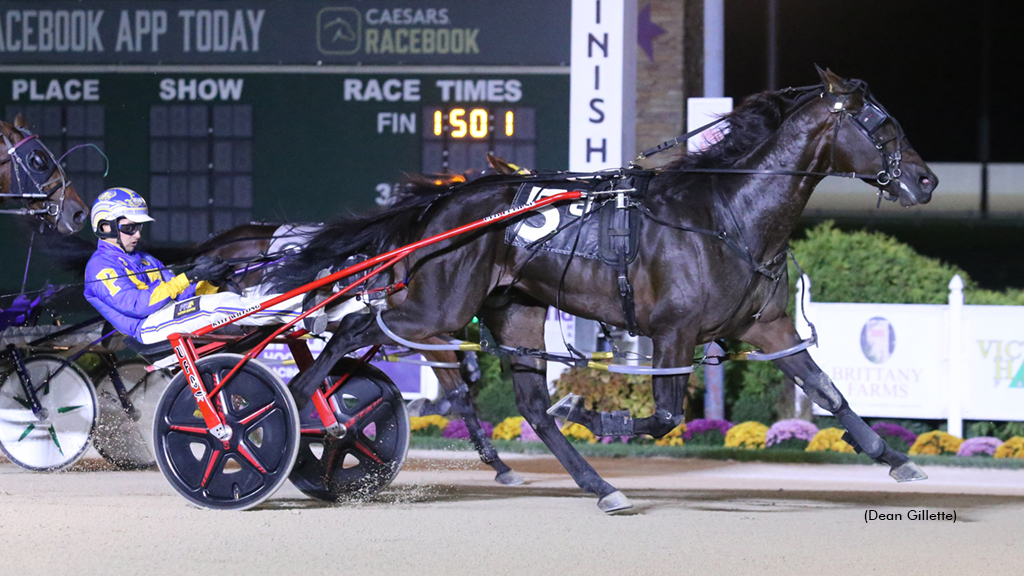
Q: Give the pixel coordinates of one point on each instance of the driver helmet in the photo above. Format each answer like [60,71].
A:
[118,203]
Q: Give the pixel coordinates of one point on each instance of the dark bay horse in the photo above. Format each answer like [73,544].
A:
[711,262]
[29,172]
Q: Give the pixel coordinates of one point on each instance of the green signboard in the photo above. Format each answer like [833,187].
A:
[214,139]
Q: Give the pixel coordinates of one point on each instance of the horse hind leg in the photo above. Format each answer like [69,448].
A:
[522,325]
[458,398]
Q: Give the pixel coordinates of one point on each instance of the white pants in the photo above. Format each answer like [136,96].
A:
[200,311]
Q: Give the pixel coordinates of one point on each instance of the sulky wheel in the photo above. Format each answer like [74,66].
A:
[58,435]
[124,429]
[372,449]
[249,467]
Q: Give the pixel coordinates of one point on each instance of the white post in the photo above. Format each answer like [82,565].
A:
[803,329]
[957,363]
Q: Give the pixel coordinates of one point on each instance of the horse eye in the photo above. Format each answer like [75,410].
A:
[37,161]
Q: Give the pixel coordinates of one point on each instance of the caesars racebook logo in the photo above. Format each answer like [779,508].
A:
[877,340]
[344,31]
[339,31]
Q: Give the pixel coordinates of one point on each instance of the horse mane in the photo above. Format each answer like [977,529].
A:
[360,234]
[755,120]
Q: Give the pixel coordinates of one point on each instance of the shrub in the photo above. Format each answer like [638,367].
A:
[428,425]
[509,429]
[979,446]
[673,438]
[829,440]
[896,436]
[748,435]
[458,429]
[607,392]
[935,443]
[794,433]
[1012,448]
[496,399]
[706,432]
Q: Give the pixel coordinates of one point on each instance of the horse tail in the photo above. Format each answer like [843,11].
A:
[368,235]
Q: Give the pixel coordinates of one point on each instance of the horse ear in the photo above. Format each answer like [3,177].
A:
[6,128]
[500,165]
[835,82]
[19,121]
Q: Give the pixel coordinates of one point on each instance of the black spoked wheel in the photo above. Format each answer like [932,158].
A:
[371,452]
[245,470]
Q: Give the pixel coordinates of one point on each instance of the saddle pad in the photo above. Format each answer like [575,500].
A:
[557,227]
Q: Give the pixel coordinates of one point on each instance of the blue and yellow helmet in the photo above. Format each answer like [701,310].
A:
[118,203]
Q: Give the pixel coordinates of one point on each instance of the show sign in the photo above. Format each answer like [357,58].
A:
[454,32]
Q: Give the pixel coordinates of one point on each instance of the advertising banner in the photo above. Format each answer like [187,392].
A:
[887,359]
[993,338]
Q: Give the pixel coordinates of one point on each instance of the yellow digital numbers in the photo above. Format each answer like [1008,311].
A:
[474,123]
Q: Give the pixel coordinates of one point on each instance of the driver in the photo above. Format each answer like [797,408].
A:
[144,300]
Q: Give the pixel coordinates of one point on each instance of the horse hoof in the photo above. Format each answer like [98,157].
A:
[510,478]
[564,407]
[908,472]
[614,502]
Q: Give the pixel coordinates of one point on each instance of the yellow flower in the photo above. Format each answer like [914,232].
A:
[935,443]
[424,422]
[509,429]
[575,431]
[1012,448]
[673,438]
[749,435]
[829,439]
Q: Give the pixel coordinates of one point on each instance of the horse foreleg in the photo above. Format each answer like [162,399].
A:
[800,368]
[457,397]
[521,325]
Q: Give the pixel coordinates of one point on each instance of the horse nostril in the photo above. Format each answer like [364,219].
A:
[926,183]
[79,217]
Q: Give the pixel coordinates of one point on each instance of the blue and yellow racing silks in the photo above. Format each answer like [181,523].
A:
[127,288]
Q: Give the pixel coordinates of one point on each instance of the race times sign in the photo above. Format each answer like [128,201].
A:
[460,32]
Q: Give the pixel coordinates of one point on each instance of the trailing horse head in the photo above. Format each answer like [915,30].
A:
[868,140]
[29,171]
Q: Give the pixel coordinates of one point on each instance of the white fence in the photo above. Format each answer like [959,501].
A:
[921,361]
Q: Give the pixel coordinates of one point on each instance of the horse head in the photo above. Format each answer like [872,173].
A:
[28,170]
[869,140]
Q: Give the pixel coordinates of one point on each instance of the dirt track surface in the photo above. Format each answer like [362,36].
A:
[445,515]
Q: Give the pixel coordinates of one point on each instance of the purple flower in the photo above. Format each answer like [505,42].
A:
[458,429]
[890,429]
[790,429]
[980,445]
[702,425]
[610,439]
[527,433]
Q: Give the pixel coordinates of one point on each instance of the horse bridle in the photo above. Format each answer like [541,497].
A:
[869,121]
[34,166]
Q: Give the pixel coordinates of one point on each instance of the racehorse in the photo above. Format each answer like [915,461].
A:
[30,172]
[711,262]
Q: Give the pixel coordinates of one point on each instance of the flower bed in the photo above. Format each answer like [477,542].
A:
[458,429]
[428,425]
[706,432]
[829,440]
[794,434]
[1012,448]
[935,443]
[896,436]
[980,446]
[748,435]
